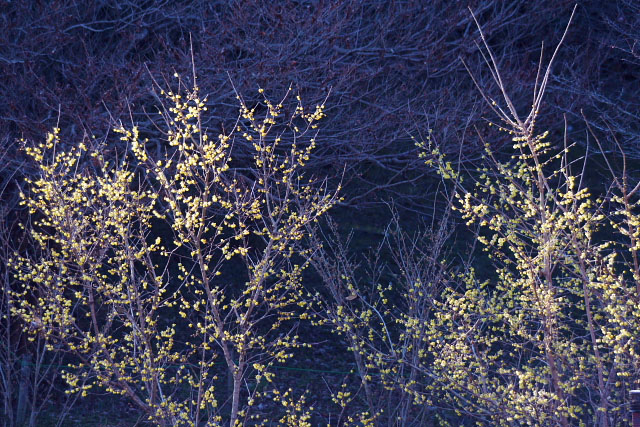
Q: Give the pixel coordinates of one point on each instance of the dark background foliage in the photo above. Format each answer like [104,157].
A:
[389,67]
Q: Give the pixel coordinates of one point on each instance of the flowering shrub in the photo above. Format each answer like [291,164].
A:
[136,254]
[548,339]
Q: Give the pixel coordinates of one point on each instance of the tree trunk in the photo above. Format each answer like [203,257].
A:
[23,389]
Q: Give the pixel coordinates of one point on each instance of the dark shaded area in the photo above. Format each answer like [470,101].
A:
[389,68]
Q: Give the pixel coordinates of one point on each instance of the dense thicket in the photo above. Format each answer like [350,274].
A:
[387,67]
